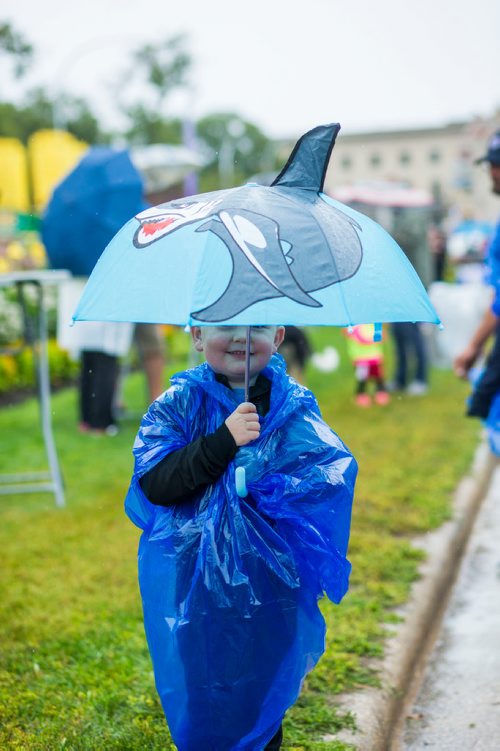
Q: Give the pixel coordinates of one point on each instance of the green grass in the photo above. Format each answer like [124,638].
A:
[74,667]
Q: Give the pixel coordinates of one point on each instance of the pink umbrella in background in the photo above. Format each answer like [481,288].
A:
[383,193]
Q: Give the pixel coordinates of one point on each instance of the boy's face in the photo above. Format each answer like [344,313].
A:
[224,349]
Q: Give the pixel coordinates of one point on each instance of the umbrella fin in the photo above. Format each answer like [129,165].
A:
[307,164]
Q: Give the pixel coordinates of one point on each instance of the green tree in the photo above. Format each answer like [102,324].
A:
[160,69]
[37,111]
[165,66]
[79,119]
[16,47]
[240,150]
[148,127]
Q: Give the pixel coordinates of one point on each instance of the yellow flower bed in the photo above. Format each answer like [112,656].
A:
[17,371]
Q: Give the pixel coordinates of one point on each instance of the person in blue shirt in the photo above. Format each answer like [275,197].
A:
[230,585]
[489,382]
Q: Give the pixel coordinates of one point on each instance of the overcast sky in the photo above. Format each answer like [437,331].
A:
[286,65]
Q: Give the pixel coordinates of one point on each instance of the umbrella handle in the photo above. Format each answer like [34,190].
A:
[240,481]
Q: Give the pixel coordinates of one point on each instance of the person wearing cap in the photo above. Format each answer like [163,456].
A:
[489,382]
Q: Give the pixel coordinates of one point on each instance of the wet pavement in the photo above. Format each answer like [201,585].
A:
[458,705]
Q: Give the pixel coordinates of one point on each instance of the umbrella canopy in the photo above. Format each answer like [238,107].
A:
[258,255]
[89,206]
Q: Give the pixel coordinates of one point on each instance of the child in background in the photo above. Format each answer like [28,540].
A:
[368,359]
[230,585]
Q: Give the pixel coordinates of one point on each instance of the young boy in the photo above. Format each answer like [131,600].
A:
[230,585]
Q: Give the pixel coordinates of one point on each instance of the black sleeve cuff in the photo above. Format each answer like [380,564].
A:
[221,445]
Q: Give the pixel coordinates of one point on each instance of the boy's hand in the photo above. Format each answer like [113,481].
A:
[243,424]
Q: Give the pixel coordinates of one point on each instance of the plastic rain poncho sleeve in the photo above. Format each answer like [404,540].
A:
[230,586]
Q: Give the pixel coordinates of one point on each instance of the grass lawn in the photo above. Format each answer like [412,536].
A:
[74,667]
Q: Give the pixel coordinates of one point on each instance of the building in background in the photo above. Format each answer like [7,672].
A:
[439,160]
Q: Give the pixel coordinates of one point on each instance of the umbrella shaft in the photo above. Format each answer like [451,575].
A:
[247,365]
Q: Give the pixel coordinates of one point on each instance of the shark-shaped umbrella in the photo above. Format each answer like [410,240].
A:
[257,255]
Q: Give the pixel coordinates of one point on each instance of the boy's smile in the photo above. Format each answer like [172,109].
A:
[225,349]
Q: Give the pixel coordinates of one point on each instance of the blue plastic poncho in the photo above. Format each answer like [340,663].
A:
[492,425]
[229,585]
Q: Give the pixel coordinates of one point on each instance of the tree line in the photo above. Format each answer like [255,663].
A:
[237,149]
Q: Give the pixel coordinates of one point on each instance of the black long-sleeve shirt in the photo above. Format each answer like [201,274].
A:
[190,469]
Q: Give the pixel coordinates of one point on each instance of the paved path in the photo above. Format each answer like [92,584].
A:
[458,706]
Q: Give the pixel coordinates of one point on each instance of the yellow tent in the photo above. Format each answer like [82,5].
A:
[14,187]
[52,154]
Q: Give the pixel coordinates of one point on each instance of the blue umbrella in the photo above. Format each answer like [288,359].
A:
[258,255]
[89,206]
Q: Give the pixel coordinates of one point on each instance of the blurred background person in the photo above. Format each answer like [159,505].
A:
[296,349]
[367,356]
[86,209]
[411,367]
[467,250]
[411,361]
[436,240]
[489,382]
[150,343]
